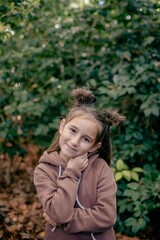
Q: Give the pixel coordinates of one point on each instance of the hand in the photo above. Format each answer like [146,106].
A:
[80,162]
[49,220]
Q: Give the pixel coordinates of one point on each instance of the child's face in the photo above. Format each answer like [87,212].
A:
[77,137]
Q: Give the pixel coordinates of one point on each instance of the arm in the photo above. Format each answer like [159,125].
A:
[103,214]
[49,220]
[57,195]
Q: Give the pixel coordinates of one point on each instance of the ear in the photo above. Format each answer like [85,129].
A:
[95,147]
[62,124]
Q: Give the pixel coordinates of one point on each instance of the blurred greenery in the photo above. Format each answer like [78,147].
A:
[112,47]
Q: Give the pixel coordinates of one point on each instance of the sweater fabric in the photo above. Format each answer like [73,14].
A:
[83,204]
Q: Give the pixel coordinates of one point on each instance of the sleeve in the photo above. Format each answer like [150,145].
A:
[57,196]
[103,214]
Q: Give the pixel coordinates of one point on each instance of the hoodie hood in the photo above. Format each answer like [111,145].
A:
[52,158]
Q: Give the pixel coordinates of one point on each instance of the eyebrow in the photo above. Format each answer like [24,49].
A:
[84,135]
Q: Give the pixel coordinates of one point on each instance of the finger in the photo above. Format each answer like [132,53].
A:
[84,156]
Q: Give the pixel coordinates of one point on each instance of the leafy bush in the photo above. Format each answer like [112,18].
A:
[137,200]
[121,170]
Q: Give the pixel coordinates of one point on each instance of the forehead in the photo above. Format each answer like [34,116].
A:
[85,125]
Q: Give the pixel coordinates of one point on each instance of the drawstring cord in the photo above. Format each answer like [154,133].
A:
[82,207]
[53,229]
[93,236]
[60,171]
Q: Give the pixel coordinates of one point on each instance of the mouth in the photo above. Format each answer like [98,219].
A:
[73,149]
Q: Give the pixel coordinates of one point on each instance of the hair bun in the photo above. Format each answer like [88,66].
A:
[113,117]
[83,96]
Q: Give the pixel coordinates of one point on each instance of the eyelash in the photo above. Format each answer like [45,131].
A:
[72,130]
[86,140]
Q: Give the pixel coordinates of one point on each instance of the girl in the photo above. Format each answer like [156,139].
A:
[74,181]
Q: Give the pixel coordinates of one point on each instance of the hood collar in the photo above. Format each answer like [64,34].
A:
[56,160]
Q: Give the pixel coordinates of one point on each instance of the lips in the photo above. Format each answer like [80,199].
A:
[72,149]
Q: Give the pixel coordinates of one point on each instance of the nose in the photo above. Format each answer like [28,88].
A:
[75,140]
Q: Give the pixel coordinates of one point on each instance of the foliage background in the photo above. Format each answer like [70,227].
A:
[112,47]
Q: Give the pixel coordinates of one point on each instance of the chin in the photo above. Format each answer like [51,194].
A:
[68,155]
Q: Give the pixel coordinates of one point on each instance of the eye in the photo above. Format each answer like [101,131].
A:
[86,139]
[72,130]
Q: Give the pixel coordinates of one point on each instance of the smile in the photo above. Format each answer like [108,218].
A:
[71,148]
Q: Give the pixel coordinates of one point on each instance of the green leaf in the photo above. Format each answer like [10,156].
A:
[118,176]
[137,213]
[133,185]
[148,112]
[3,134]
[126,174]
[125,167]
[148,40]
[12,6]
[137,169]
[135,195]
[134,176]
[142,223]
[155,111]
[119,164]
[130,221]
[135,227]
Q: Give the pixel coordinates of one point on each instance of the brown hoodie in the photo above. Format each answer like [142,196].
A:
[83,204]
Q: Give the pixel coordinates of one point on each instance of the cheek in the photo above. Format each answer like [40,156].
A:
[60,141]
[64,135]
[86,148]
